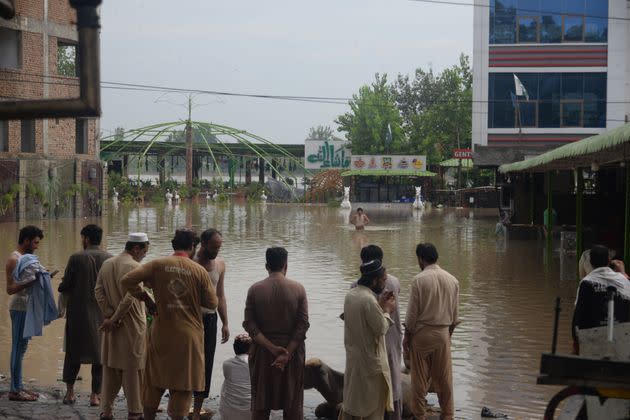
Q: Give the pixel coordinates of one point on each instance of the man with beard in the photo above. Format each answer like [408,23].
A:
[393,338]
[175,347]
[207,256]
[367,386]
[83,316]
[432,315]
[28,242]
[124,329]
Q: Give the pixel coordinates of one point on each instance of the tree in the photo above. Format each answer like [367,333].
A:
[372,114]
[437,109]
[67,60]
[322,132]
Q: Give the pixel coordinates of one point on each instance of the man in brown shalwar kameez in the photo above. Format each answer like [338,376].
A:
[276,317]
[124,329]
[83,316]
[175,347]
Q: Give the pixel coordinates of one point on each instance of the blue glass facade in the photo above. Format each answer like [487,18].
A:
[555,100]
[548,21]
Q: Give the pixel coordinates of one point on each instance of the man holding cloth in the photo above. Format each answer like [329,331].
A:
[432,314]
[175,347]
[367,386]
[123,351]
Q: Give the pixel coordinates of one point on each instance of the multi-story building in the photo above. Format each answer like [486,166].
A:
[48,167]
[571,56]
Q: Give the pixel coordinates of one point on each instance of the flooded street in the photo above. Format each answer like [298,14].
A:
[506,292]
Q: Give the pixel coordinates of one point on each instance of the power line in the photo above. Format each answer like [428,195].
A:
[541,12]
[313,99]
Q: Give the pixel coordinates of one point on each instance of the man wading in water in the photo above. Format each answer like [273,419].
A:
[360,219]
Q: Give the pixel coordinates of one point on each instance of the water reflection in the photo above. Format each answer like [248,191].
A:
[507,294]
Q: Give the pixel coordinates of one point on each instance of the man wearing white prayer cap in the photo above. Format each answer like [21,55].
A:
[123,352]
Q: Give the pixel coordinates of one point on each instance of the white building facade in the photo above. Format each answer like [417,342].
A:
[573,59]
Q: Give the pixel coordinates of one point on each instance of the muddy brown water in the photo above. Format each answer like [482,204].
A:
[506,302]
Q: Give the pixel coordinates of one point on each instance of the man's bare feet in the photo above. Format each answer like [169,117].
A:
[95,400]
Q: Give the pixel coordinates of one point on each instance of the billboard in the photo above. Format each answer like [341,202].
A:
[387,162]
[324,154]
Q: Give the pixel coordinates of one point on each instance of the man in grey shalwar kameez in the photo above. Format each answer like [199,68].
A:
[83,315]
[393,337]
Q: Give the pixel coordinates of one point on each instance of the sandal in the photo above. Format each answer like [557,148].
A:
[95,403]
[33,393]
[22,396]
[104,417]
[69,401]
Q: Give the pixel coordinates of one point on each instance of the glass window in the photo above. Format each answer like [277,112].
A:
[528,113]
[28,136]
[595,29]
[530,83]
[528,29]
[572,85]
[549,86]
[4,136]
[502,114]
[571,113]
[81,136]
[575,7]
[504,29]
[551,29]
[555,100]
[594,86]
[528,7]
[573,28]
[549,114]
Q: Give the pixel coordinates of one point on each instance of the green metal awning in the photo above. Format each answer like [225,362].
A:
[387,172]
[607,148]
[454,163]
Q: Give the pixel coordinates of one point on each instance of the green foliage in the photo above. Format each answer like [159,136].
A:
[35,192]
[429,114]
[366,125]
[67,60]
[7,200]
[322,132]
[437,110]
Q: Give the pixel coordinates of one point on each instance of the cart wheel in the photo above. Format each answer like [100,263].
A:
[566,393]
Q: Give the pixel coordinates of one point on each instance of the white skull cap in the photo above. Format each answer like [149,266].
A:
[138,237]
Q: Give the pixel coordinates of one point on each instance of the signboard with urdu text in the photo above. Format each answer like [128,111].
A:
[386,162]
[324,154]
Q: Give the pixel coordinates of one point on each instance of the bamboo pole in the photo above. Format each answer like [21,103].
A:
[549,221]
[532,185]
[579,212]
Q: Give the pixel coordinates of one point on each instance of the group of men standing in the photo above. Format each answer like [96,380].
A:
[373,334]
[106,326]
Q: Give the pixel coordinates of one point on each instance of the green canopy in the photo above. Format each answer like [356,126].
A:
[454,163]
[387,172]
[607,148]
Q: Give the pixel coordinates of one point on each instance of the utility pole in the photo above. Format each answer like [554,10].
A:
[189,148]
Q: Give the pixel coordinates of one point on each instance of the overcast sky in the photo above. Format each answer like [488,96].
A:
[318,48]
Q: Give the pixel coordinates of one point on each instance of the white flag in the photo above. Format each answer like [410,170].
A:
[519,89]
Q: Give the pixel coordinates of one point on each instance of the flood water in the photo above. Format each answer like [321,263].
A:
[506,303]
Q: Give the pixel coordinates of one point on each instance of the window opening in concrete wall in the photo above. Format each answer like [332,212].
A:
[10,48]
[4,136]
[67,59]
[81,136]
[28,136]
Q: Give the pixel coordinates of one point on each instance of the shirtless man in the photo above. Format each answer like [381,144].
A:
[207,256]
[360,219]
[28,242]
